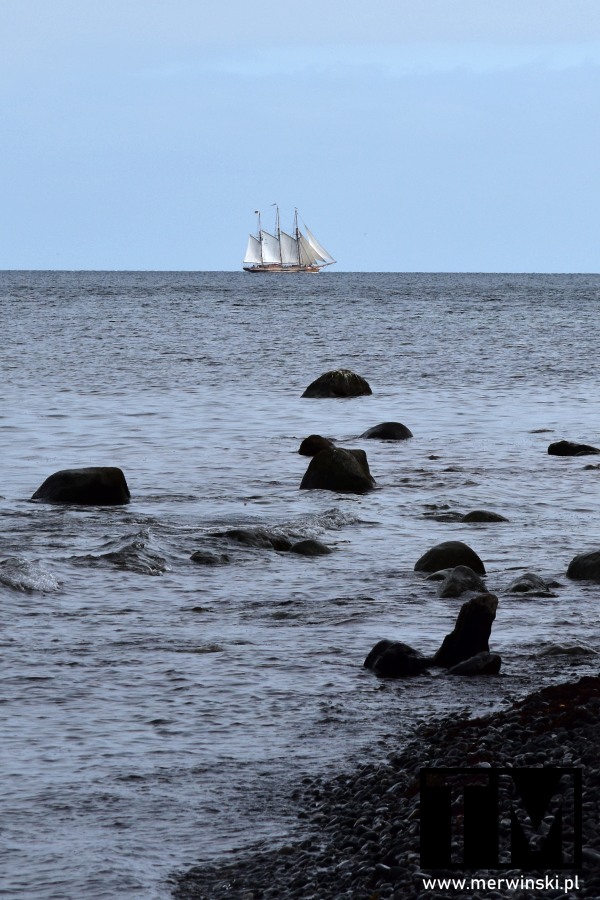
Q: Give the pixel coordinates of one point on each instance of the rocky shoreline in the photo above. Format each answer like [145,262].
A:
[361,829]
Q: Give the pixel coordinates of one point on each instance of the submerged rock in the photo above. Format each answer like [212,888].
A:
[258,538]
[313,444]
[310,547]
[447,555]
[459,580]
[529,583]
[338,383]
[388,431]
[393,659]
[585,567]
[93,486]
[483,663]
[483,515]
[569,448]
[471,632]
[208,558]
[345,471]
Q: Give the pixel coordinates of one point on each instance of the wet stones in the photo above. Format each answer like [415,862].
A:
[335,469]
[447,555]
[393,659]
[93,486]
[338,383]
[257,538]
[313,444]
[388,431]
[585,567]
[471,632]
[569,448]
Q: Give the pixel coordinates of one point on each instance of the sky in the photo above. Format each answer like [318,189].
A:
[412,135]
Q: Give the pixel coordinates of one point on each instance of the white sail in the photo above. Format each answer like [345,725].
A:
[308,255]
[322,252]
[253,251]
[289,249]
[271,252]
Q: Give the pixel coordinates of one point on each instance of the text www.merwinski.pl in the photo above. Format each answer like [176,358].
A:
[550,882]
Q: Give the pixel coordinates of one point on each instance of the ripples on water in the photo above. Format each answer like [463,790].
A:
[156,711]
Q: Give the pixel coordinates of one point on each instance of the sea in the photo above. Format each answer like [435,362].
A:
[156,712]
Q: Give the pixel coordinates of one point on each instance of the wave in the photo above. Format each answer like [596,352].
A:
[23,575]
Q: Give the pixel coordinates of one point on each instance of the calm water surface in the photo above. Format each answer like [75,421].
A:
[156,712]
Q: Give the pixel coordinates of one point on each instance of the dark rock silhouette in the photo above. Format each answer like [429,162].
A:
[93,486]
[471,632]
[393,659]
[483,663]
[459,580]
[345,471]
[482,515]
[313,444]
[569,448]
[447,555]
[585,567]
[388,431]
[310,547]
[338,383]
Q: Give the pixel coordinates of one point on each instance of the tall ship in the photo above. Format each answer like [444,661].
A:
[299,251]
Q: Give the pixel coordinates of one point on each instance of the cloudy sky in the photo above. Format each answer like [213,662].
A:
[413,135]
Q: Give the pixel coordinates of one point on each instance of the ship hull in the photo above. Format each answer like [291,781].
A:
[285,270]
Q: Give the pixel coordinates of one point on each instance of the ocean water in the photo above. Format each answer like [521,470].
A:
[156,712]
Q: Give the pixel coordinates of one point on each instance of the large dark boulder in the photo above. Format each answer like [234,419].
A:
[447,555]
[585,567]
[483,663]
[338,383]
[459,580]
[313,444]
[393,659]
[388,431]
[471,631]
[94,486]
[569,448]
[345,471]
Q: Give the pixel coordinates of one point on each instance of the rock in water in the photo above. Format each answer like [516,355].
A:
[459,580]
[310,547]
[345,471]
[94,486]
[569,448]
[585,567]
[528,582]
[482,515]
[447,555]
[313,444]
[388,431]
[393,659]
[483,663]
[471,632]
[338,383]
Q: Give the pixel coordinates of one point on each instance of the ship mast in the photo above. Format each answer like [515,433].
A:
[260,238]
[278,232]
[297,234]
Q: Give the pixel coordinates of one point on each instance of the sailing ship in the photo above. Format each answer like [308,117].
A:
[283,252]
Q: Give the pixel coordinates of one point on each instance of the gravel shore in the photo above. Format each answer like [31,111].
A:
[362,829]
